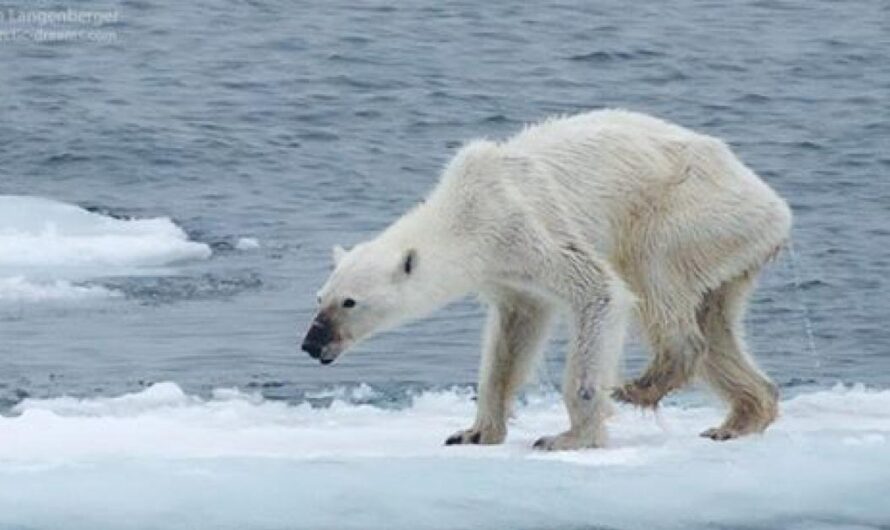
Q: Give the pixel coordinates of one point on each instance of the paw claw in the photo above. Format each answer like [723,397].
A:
[565,442]
[476,436]
[720,434]
[619,394]
[454,439]
[636,393]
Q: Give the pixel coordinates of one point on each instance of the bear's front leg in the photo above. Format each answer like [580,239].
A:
[592,366]
[517,326]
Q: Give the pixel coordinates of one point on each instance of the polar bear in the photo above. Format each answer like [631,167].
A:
[604,217]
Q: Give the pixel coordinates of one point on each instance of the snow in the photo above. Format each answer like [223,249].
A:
[48,249]
[162,457]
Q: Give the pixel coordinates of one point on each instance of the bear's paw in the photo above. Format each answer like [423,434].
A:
[567,441]
[477,436]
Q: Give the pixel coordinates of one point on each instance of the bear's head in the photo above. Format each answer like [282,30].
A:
[373,287]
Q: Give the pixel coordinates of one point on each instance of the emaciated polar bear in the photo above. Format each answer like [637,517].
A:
[605,215]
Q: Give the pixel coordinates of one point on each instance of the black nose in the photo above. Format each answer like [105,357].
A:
[320,334]
[312,348]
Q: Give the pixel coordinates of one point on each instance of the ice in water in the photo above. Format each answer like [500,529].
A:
[49,248]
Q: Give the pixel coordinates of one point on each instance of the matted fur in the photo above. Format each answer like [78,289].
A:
[601,216]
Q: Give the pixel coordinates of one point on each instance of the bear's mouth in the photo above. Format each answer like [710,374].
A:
[324,354]
[330,353]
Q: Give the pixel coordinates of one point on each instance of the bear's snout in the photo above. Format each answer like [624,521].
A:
[318,338]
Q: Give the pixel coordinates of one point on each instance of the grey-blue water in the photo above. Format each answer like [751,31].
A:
[309,124]
[305,124]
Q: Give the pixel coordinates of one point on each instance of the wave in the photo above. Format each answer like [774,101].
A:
[244,462]
[19,289]
[48,249]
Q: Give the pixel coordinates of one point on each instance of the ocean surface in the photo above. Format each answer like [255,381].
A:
[172,180]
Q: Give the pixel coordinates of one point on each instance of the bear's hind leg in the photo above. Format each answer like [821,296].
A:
[729,369]
[516,329]
[677,349]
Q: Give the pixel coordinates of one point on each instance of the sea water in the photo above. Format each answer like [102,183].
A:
[169,197]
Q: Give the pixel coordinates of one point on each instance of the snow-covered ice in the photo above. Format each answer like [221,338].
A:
[162,457]
[48,249]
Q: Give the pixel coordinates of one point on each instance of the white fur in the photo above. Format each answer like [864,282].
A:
[598,216]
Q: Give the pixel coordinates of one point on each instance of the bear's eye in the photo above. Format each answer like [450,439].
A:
[349,302]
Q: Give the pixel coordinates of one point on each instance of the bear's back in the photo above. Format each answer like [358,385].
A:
[562,131]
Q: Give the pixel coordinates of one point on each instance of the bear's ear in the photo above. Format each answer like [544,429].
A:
[337,253]
[409,262]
